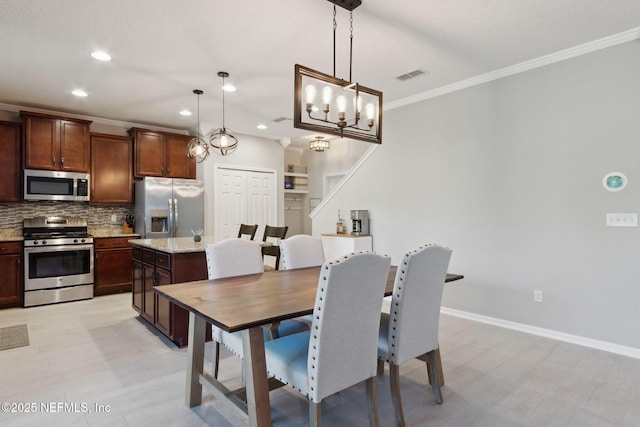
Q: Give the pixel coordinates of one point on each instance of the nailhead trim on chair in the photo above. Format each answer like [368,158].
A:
[394,319]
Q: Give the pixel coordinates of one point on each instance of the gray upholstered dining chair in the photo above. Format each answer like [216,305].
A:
[238,257]
[301,251]
[331,357]
[410,330]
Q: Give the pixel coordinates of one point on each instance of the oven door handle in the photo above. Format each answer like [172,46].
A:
[39,249]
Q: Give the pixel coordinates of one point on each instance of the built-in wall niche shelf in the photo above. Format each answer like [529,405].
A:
[296,183]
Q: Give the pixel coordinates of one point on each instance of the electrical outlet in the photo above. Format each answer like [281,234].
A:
[114,218]
[537,296]
[622,220]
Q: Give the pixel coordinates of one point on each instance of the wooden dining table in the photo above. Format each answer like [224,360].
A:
[246,304]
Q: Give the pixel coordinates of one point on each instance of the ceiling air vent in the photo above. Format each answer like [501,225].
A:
[281,119]
[410,75]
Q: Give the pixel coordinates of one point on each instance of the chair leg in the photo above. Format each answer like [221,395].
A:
[396,399]
[380,367]
[434,372]
[373,402]
[216,360]
[315,414]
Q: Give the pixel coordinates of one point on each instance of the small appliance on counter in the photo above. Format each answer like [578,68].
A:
[360,223]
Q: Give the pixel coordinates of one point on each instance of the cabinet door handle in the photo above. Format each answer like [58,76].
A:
[54,160]
[62,161]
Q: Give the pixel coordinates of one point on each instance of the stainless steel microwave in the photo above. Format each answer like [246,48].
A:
[56,185]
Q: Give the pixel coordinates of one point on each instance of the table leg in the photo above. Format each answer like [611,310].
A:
[195,359]
[258,406]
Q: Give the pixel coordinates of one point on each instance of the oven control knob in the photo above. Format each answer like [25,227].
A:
[82,240]
[75,240]
[35,242]
[44,242]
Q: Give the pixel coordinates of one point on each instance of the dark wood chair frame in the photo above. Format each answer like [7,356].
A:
[247,230]
[277,233]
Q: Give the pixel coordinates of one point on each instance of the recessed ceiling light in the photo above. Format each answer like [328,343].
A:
[101,55]
[262,126]
[228,87]
[79,92]
[185,113]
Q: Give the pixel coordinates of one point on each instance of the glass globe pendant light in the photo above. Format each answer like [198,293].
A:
[197,148]
[221,139]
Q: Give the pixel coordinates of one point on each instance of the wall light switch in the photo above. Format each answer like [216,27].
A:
[622,220]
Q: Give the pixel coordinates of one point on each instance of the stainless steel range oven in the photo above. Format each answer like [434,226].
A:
[58,260]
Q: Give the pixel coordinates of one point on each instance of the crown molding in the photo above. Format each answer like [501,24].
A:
[97,120]
[542,61]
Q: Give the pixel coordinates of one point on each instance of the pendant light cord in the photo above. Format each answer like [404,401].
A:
[335,25]
[350,43]
[198,130]
[223,102]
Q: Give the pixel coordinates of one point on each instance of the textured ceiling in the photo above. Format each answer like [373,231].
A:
[163,49]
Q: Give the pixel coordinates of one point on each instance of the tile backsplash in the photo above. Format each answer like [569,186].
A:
[98,217]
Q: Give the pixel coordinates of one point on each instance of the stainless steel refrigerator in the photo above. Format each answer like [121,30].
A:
[168,207]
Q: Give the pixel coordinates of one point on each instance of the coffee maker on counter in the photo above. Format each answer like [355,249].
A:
[360,223]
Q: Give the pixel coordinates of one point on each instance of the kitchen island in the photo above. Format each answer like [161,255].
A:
[161,262]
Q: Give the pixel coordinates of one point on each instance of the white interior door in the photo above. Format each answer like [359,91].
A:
[244,196]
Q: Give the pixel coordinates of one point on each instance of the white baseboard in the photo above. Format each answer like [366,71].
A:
[548,333]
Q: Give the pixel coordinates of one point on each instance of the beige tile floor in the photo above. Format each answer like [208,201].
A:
[98,352]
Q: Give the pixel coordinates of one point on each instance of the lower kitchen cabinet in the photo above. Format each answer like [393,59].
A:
[112,265]
[11,267]
[155,268]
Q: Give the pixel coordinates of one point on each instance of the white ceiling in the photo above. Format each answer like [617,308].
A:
[163,49]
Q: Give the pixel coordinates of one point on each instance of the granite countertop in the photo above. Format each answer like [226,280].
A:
[345,235]
[110,232]
[11,235]
[176,245]
[106,235]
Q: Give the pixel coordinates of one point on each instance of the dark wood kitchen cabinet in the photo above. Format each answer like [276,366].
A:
[111,170]
[112,265]
[154,268]
[11,267]
[55,143]
[10,161]
[161,154]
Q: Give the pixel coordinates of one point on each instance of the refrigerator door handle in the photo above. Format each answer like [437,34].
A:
[175,217]
[171,220]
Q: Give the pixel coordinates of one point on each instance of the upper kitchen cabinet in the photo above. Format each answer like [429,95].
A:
[111,170]
[55,143]
[161,154]
[10,161]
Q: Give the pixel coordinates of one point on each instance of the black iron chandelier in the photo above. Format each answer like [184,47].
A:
[340,111]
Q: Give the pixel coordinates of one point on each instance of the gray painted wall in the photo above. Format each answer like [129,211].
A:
[508,174]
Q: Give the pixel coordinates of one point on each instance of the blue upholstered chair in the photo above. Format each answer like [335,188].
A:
[410,330]
[238,257]
[340,349]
